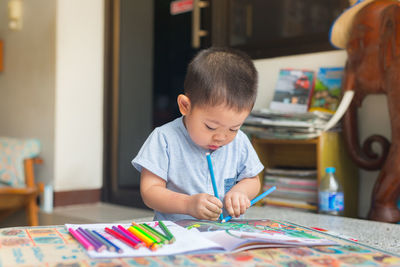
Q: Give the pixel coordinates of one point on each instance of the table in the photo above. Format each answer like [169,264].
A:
[53,246]
[379,235]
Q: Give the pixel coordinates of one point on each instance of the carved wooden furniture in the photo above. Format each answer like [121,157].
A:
[18,188]
[371,37]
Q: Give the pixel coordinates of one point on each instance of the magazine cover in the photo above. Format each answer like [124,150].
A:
[327,90]
[293,90]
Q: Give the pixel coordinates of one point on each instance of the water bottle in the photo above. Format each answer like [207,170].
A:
[331,197]
[47,205]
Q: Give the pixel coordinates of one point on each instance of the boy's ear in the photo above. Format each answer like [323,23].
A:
[183,104]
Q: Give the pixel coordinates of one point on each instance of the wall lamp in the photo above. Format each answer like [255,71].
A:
[15,15]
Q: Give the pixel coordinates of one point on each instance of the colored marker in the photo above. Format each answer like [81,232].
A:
[255,200]
[149,242]
[319,229]
[95,237]
[122,238]
[111,244]
[210,167]
[98,246]
[163,238]
[149,234]
[165,229]
[86,244]
[128,234]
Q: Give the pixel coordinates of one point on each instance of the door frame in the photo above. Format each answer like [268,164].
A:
[111,191]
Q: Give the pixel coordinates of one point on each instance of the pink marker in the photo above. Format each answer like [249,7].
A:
[86,244]
[129,234]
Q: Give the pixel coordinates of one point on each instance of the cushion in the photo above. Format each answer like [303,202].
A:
[13,151]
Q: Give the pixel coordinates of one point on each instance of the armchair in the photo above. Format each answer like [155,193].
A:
[18,189]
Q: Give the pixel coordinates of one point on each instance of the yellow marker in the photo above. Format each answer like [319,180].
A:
[146,233]
[153,233]
[149,243]
[140,229]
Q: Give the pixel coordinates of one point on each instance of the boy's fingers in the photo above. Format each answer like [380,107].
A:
[210,214]
[243,205]
[214,209]
[228,207]
[216,201]
[214,206]
[236,207]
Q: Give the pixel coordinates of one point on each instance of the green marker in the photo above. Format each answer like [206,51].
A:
[170,237]
[163,238]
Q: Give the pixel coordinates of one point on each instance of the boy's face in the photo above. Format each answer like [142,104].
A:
[211,127]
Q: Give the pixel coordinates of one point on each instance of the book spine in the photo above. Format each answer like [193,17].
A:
[309,196]
[290,205]
[312,183]
[293,186]
[304,191]
[291,173]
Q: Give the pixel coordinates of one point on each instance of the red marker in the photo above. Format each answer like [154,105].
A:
[122,238]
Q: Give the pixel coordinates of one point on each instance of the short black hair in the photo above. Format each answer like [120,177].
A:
[220,75]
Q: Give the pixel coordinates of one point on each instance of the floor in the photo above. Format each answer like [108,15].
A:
[88,213]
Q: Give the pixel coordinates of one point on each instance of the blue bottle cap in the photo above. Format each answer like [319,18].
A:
[330,169]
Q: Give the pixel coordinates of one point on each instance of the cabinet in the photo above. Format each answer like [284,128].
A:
[274,28]
[324,151]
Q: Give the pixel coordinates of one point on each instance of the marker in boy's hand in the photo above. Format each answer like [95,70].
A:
[205,207]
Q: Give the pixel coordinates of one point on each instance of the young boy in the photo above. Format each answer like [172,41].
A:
[220,89]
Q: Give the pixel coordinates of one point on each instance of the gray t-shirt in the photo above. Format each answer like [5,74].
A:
[170,153]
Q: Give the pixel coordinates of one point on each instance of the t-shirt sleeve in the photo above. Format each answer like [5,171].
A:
[153,155]
[250,164]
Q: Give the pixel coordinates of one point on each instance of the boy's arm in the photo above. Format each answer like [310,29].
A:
[237,200]
[156,196]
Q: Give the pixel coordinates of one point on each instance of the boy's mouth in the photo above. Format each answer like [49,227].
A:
[213,147]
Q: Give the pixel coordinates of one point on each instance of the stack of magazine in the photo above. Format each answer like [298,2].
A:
[301,106]
[272,124]
[295,188]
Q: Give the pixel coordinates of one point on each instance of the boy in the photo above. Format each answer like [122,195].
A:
[220,89]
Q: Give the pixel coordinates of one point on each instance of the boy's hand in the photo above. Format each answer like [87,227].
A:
[204,207]
[236,203]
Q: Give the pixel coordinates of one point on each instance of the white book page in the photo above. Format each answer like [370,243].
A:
[237,240]
[186,242]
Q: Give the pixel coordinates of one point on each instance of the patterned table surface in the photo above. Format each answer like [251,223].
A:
[54,246]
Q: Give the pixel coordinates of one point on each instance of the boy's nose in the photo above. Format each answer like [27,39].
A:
[219,137]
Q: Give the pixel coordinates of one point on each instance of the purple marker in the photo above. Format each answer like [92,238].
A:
[98,246]
[130,237]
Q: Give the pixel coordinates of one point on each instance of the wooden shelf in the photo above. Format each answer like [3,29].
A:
[325,151]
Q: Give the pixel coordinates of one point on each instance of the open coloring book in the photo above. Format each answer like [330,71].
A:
[235,236]
[196,237]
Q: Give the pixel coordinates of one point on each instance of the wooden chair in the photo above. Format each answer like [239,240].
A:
[14,198]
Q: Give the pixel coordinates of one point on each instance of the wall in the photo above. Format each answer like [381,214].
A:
[52,87]
[372,120]
[27,83]
[79,95]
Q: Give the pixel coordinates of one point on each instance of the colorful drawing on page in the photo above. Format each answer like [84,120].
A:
[250,226]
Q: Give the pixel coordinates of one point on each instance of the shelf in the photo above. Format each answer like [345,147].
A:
[318,153]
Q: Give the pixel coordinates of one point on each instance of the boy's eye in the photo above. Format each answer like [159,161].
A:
[210,128]
[234,130]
